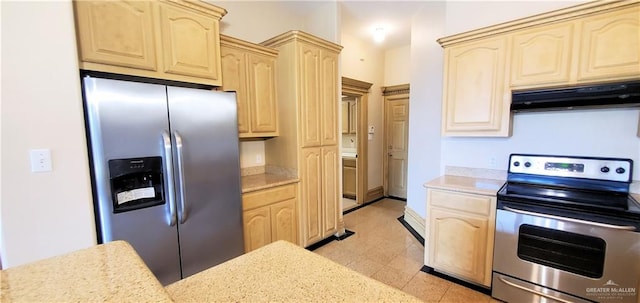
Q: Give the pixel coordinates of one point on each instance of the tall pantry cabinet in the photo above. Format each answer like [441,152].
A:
[307,77]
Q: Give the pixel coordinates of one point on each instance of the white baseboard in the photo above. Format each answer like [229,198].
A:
[415,221]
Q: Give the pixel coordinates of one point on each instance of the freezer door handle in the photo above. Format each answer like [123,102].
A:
[182,211]
[168,172]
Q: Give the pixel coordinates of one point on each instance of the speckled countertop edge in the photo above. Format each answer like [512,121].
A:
[262,181]
[481,186]
[111,272]
[283,272]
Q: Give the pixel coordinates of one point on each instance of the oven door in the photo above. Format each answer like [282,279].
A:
[591,260]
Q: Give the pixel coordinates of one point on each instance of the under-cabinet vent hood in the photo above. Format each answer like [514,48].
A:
[622,94]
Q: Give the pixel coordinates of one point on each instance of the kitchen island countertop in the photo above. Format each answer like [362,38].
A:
[283,272]
[466,184]
[111,272]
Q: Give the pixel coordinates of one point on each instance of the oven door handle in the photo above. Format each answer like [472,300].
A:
[611,226]
[535,292]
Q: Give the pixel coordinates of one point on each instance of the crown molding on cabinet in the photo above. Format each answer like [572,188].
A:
[549,17]
[301,36]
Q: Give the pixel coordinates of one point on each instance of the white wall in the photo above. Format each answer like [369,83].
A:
[257,21]
[425,102]
[397,65]
[362,60]
[43,214]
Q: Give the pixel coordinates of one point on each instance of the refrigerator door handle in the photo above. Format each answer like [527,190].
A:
[168,169]
[182,211]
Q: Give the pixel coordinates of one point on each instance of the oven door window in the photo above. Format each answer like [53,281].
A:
[575,253]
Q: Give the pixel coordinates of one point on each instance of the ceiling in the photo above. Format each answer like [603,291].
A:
[360,18]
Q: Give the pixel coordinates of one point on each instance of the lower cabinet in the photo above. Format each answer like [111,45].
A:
[460,229]
[349,178]
[269,215]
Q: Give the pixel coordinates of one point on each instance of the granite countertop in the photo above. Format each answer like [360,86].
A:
[466,184]
[111,272]
[261,181]
[280,272]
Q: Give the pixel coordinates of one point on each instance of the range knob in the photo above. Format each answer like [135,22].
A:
[527,164]
[516,164]
[620,170]
[604,169]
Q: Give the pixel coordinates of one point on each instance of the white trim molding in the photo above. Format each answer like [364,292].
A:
[415,221]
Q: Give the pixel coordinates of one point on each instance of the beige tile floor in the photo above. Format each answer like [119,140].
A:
[382,248]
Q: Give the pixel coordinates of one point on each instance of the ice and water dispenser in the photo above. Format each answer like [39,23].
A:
[136,183]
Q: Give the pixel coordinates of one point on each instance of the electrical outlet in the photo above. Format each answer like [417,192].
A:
[258,159]
[40,160]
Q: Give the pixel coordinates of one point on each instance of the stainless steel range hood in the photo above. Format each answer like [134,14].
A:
[622,94]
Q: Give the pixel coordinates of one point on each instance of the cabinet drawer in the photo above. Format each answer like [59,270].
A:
[268,196]
[460,201]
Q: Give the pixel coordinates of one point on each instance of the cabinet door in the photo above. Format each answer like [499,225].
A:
[190,42]
[311,196]
[234,79]
[283,221]
[458,243]
[310,102]
[257,228]
[476,101]
[116,33]
[330,190]
[348,180]
[353,117]
[345,116]
[262,94]
[610,45]
[329,95]
[542,55]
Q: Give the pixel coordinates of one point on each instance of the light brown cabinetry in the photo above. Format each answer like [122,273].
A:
[249,70]
[460,229]
[588,43]
[172,40]
[610,45]
[270,215]
[349,178]
[349,116]
[542,56]
[307,73]
[476,96]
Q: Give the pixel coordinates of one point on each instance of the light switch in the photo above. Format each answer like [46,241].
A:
[40,160]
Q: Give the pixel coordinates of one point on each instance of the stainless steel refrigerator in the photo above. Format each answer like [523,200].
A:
[165,173]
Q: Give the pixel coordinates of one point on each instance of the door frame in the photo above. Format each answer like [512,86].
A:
[390,93]
[359,90]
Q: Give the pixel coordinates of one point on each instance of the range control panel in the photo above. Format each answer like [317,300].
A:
[611,169]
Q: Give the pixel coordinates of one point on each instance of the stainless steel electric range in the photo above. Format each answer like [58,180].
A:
[567,230]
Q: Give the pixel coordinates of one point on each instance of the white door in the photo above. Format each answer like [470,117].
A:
[397,130]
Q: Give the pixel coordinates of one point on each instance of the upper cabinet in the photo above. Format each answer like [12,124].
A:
[171,40]
[249,70]
[542,56]
[349,116]
[593,42]
[476,102]
[610,45]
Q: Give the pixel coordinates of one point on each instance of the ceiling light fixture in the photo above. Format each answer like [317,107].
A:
[379,34]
